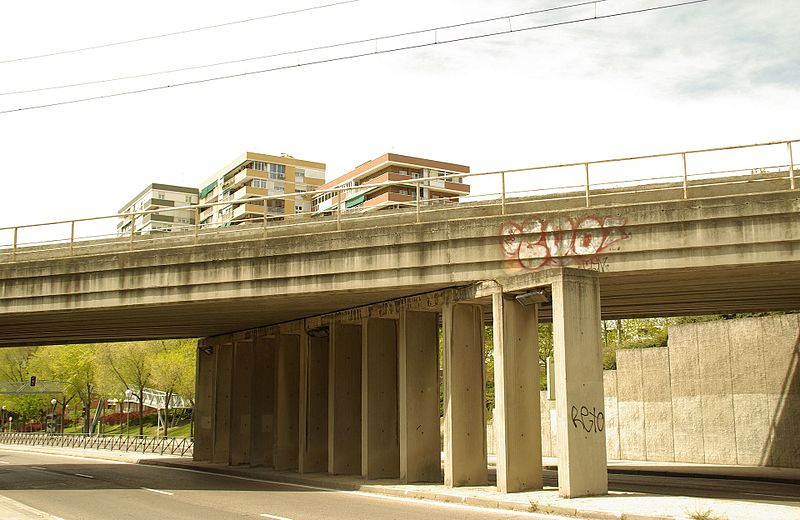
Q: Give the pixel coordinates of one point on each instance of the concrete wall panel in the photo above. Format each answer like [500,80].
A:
[657,397]
[719,429]
[685,388]
[632,442]
[612,414]
[262,436]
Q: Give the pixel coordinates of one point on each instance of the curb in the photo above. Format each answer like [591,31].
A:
[687,474]
[488,503]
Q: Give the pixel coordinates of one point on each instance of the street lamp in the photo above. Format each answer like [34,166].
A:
[54,402]
[3,424]
[128,394]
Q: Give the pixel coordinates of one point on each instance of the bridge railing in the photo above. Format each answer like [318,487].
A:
[673,176]
[182,446]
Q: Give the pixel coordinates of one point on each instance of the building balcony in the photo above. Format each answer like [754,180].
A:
[246,192]
[246,211]
[388,198]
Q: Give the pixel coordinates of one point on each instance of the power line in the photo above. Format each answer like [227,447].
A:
[177,33]
[301,51]
[359,55]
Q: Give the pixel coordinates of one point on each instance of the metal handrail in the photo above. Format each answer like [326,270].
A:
[114,442]
[682,180]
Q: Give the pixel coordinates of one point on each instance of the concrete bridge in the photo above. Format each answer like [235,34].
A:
[322,337]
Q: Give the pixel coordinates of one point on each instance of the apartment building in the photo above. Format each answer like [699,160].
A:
[366,193]
[154,197]
[253,175]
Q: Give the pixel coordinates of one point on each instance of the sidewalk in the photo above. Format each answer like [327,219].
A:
[615,505]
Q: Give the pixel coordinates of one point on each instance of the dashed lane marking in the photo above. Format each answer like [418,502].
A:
[158,491]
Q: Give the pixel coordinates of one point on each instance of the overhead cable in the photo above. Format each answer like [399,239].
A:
[359,55]
[177,33]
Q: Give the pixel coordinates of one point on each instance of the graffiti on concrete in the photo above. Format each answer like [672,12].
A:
[589,420]
[537,242]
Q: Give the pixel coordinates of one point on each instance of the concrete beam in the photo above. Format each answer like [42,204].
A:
[465,461]
[418,396]
[313,441]
[262,437]
[380,446]
[579,385]
[203,413]
[287,402]
[241,402]
[344,400]
[222,403]
[517,417]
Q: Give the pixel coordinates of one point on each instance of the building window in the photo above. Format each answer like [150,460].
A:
[277,171]
[189,199]
[299,174]
[259,183]
[278,189]
[162,195]
[259,165]
[298,209]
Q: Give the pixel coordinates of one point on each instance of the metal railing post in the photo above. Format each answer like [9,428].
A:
[791,166]
[418,201]
[14,245]
[502,193]
[196,224]
[133,227]
[685,177]
[71,238]
[339,211]
[586,167]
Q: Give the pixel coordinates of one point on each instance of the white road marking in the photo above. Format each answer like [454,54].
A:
[774,496]
[265,515]
[4,462]
[82,475]
[158,491]
[39,467]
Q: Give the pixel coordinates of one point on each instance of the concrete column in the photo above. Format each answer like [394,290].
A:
[203,413]
[222,403]
[380,446]
[313,456]
[579,385]
[344,399]
[241,402]
[517,416]
[262,437]
[465,461]
[287,402]
[418,396]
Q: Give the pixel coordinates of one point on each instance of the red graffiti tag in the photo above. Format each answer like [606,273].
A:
[536,243]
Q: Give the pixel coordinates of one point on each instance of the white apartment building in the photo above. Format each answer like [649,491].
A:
[159,196]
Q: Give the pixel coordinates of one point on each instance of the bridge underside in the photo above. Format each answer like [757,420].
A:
[676,292]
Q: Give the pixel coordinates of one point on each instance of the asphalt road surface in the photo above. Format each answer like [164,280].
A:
[78,489]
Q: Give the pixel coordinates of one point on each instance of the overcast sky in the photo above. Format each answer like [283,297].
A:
[718,73]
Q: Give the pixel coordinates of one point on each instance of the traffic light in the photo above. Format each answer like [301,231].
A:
[33,380]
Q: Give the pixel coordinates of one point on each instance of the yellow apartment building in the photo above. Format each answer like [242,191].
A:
[253,175]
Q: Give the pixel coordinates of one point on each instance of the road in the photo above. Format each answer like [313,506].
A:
[79,489]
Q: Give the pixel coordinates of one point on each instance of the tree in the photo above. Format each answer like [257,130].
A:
[131,364]
[76,367]
[170,368]
[15,363]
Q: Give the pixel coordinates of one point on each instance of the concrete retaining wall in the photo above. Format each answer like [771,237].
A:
[722,392]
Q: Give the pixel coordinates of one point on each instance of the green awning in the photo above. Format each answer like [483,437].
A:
[355,202]
[208,189]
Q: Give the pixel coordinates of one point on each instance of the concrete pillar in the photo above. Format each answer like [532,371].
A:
[465,461]
[241,402]
[222,403]
[344,399]
[287,402]
[418,397]
[380,446]
[517,417]
[313,456]
[579,385]
[203,413]
[262,437]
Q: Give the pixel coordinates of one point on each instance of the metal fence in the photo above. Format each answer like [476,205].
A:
[678,175]
[129,443]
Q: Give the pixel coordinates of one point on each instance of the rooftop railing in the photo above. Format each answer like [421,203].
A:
[673,176]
